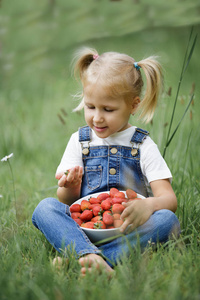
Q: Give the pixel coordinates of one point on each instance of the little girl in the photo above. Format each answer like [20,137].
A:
[110,152]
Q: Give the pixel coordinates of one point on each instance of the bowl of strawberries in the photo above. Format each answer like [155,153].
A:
[99,214]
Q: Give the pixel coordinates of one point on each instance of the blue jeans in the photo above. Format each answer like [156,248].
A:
[53,219]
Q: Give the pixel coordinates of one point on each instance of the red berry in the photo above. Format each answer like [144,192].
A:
[75,215]
[103,196]
[93,200]
[117,223]
[86,215]
[113,191]
[117,208]
[110,199]
[117,200]
[116,216]
[84,204]
[75,208]
[88,225]
[78,221]
[96,210]
[97,218]
[131,194]
[105,204]
[99,225]
[120,195]
[108,218]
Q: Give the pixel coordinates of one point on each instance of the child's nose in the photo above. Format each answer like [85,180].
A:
[98,116]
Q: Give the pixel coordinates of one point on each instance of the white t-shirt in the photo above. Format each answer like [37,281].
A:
[152,164]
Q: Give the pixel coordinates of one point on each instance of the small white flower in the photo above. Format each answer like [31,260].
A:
[1,196]
[7,157]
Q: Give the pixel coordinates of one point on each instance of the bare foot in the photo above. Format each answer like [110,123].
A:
[58,262]
[91,262]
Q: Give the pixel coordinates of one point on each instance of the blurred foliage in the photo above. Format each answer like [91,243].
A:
[37,40]
[34,29]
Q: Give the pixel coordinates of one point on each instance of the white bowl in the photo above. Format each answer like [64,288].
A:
[96,235]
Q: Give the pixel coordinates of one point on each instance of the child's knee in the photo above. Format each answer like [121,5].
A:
[168,223]
[43,209]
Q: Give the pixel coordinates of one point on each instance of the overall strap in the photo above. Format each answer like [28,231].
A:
[139,136]
[84,134]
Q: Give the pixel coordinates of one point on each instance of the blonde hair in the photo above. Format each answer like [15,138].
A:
[118,76]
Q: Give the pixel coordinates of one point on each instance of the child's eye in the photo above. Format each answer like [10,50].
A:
[90,107]
[108,109]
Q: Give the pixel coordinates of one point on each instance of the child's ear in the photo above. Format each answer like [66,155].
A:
[135,103]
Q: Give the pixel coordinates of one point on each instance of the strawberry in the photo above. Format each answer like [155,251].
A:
[110,227]
[131,194]
[93,205]
[84,204]
[108,218]
[110,199]
[102,196]
[113,191]
[117,200]
[78,221]
[119,195]
[99,225]
[105,204]
[75,208]
[97,218]
[96,210]
[116,216]
[117,208]
[117,223]
[93,200]
[86,215]
[88,225]
[67,172]
[75,215]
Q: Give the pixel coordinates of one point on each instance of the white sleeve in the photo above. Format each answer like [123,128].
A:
[72,156]
[153,164]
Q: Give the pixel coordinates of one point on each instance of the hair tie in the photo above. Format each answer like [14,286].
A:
[136,66]
[95,56]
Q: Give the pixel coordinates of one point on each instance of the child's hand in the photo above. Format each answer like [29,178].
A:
[72,179]
[135,214]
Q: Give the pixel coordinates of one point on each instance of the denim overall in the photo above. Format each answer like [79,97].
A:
[112,166]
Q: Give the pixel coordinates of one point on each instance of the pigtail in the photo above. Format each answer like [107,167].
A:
[154,86]
[83,58]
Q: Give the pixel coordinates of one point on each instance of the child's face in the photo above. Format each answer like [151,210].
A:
[106,115]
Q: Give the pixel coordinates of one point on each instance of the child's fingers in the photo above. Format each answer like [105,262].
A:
[73,177]
[127,211]
[59,175]
[124,226]
[62,181]
[80,173]
[128,216]
[66,179]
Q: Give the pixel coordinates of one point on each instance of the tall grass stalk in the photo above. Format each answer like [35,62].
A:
[14,190]
[186,62]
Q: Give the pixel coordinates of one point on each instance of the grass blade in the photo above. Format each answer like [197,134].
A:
[169,141]
[186,61]
[190,54]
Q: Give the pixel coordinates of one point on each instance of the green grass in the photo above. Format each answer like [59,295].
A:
[35,87]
